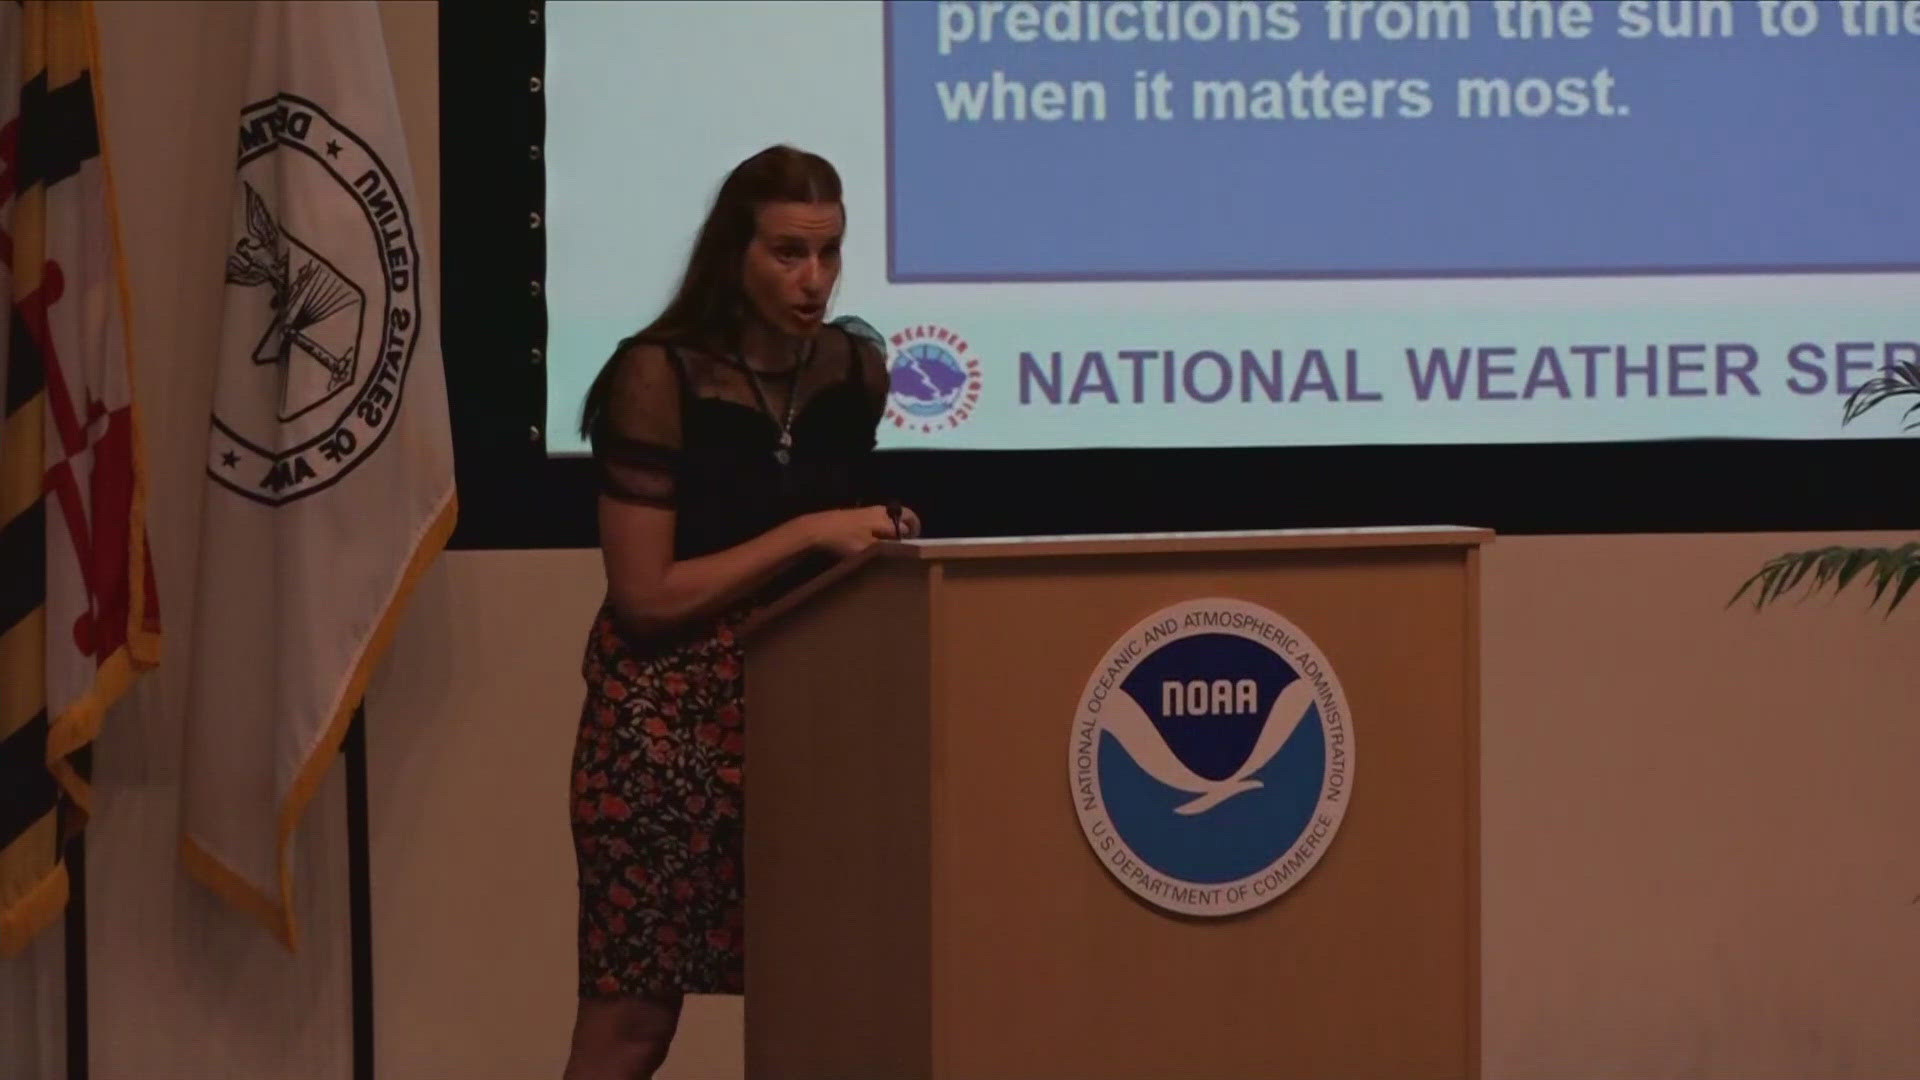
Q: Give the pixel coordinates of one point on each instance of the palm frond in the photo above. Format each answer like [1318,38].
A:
[1834,568]
[1895,380]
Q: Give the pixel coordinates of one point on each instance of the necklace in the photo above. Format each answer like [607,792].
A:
[783,451]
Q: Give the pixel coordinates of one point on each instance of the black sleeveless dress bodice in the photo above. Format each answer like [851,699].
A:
[698,432]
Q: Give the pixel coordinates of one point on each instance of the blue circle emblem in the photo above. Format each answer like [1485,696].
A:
[1211,757]
[926,379]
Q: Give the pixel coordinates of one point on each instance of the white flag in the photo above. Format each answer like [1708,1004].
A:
[329,463]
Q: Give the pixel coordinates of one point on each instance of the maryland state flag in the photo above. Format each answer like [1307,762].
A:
[329,471]
[78,619]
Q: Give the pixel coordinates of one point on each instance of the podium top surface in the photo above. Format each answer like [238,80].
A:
[1039,547]
[1144,543]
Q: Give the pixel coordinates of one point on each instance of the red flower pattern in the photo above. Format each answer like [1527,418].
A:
[656,817]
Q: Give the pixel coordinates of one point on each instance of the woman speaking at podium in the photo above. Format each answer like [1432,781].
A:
[730,436]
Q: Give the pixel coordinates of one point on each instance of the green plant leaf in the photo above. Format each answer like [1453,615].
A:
[1907,579]
[1892,573]
[1856,559]
[1804,564]
[1877,577]
[1836,567]
[1783,576]
[1824,569]
[1899,380]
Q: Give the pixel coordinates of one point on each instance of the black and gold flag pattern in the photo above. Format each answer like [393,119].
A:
[77,614]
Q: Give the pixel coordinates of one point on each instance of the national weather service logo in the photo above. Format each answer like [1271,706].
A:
[323,306]
[1211,759]
[935,381]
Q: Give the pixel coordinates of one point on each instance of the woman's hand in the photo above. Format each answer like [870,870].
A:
[850,532]
[906,522]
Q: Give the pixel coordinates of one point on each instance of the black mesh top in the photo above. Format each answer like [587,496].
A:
[696,432]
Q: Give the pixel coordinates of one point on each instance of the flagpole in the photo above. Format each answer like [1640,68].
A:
[359,894]
[76,958]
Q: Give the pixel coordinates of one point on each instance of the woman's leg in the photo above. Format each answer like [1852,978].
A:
[623,1038]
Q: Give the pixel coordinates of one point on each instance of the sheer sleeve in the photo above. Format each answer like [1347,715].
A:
[870,360]
[636,436]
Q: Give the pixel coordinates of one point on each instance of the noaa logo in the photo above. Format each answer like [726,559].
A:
[322,299]
[935,383]
[1211,758]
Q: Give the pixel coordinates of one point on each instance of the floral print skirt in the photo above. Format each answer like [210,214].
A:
[656,816]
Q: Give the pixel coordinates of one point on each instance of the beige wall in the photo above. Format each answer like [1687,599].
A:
[1698,823]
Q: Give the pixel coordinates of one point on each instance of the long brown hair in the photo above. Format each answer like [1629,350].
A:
[710,302]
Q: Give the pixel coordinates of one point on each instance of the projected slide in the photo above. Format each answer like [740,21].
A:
[1183,223]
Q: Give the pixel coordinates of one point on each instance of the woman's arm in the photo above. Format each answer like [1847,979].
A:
[652,592]
[636,436]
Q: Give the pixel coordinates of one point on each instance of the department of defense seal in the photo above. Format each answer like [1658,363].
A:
[323,306]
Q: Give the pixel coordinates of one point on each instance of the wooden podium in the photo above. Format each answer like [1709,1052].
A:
[922,901]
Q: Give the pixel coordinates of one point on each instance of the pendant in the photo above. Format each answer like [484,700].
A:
[785,450]
[781,455]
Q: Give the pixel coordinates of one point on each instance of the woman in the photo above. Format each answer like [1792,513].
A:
[730,437]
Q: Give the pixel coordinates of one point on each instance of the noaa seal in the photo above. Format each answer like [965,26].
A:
[322,297]
[934,382]
[1211,757]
